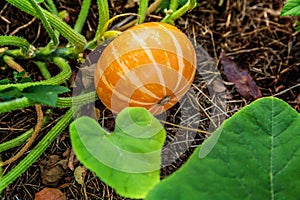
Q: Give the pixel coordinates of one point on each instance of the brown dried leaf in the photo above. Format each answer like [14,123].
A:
[52,170]
[79,174]
[131,3]
[71,160]
[244,83]
[50,194]
[218,86]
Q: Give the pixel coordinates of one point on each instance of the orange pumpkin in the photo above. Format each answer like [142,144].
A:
[151,65]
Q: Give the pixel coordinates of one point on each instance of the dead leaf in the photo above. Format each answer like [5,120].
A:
[67,152]
[131,3]
[71,160]
[79,174]
[50,194]
[87,76]
[218,86]
[244,83]
[52,170]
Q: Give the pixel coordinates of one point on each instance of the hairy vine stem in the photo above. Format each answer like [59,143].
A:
[15,41]
[190,4]
[16,141]
[103,17]
[43,69]
[38,150]
[45,22]
[56,80]
[38,127]
[55,22]
[85,6]
[142,11]
[62,102]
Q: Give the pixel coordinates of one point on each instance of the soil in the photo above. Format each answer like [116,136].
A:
[251,32]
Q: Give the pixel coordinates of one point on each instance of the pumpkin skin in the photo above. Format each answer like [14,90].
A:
[151,65]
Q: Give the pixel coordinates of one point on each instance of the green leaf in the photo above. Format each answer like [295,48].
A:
[9,93]
[165,4]
[25,80]
[297,26]
[19,77]
[254,155]
[128,159]
[44,94]
[4,81]
[291,8]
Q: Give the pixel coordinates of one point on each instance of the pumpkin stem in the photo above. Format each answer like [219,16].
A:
[165,100]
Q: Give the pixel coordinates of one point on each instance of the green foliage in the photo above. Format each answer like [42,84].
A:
[255,154]
[4,81]
[44,94]
[84,11]
[55,80]
[297,26]
[128,159]
[20,91]
[175,14]
[18,78]
[10,93]
[41,94]
[166,4]
[291,8]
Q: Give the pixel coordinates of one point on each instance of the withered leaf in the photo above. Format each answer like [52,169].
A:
[50,194]
[79,174]
[52,170]
[244,83]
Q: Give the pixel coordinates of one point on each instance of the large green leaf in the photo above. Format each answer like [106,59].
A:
[128,159]
[254,155]
[291,8]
